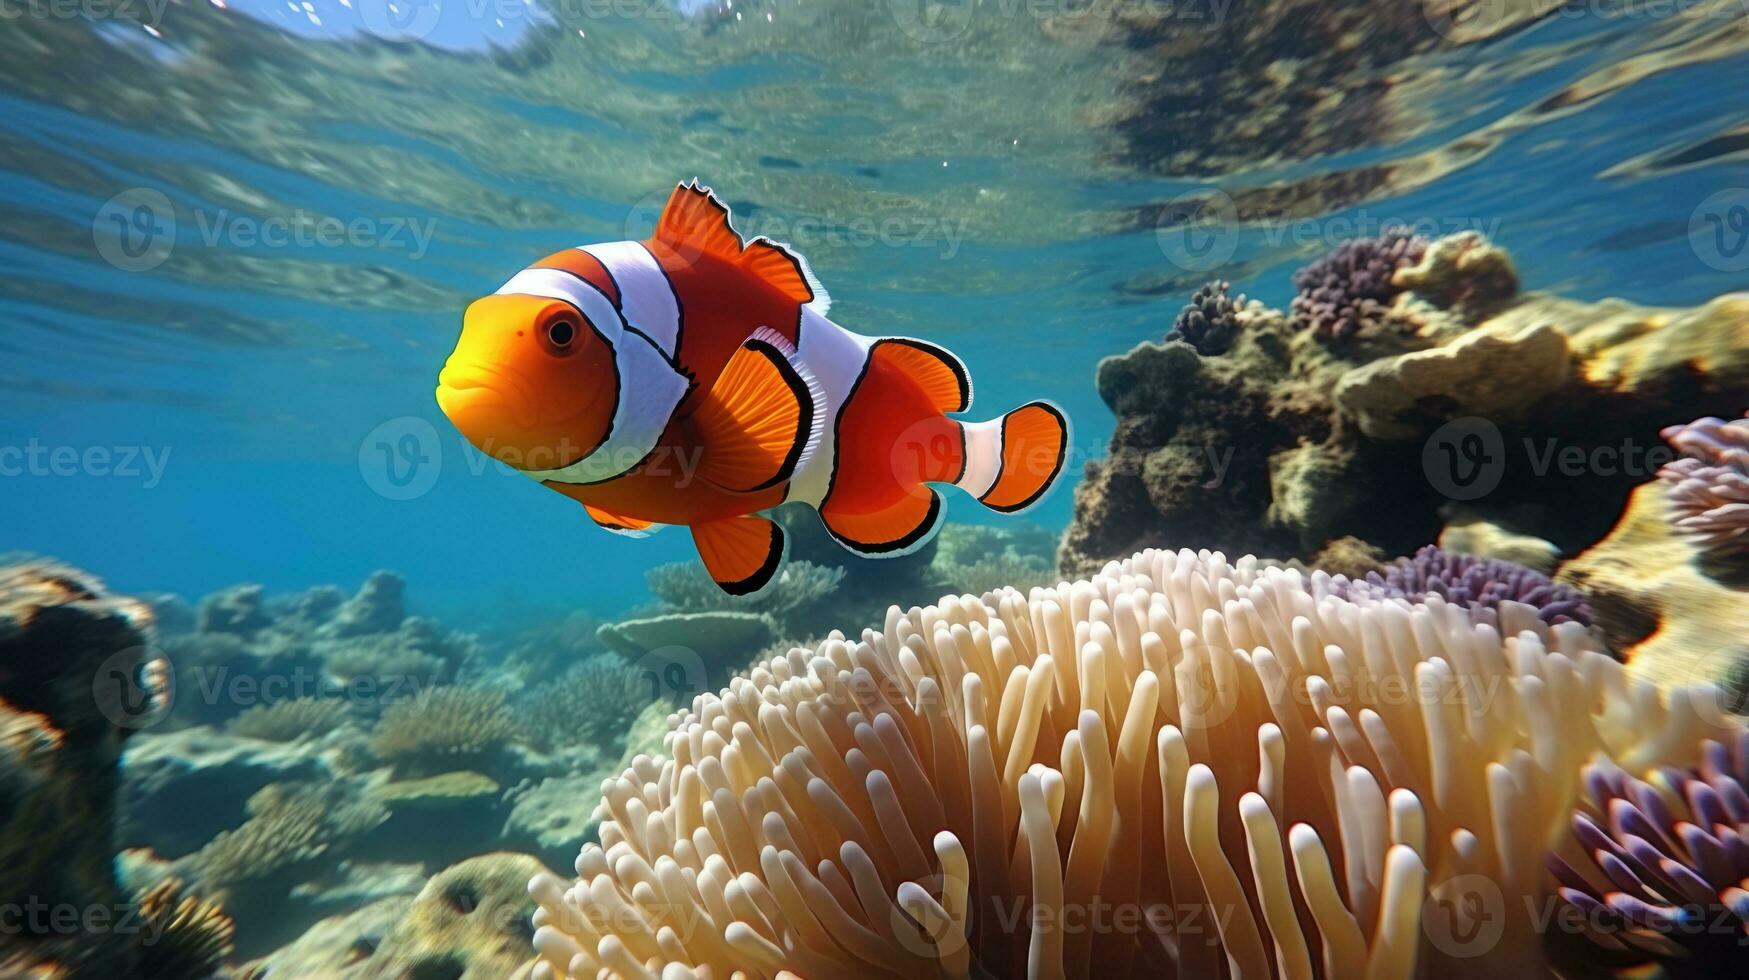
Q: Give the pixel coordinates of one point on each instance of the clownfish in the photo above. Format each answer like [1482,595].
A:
[694,379]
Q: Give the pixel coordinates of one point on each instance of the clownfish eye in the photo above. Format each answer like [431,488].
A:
[561,334]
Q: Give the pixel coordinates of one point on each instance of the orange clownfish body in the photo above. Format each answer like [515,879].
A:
[694,379]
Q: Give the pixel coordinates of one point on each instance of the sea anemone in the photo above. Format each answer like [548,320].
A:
[1477,584]
[1347,291]
[1210,321]
[1709,485]
[1666,869]
[1179,763]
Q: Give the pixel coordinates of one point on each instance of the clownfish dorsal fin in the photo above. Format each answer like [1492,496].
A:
[760,421]
[740,553]
[696,221]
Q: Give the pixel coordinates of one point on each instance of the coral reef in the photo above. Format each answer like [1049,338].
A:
[193,936]
[1525,411]
[1477,584]
[1350,290]
[289,721]
[246,646]
[597,700]
[288,825]
[1665,863]
[1709,485]
[1209,322]
[942,797]
[444,727]
[470,922]
[163,771]
[78,676]
[1655,599]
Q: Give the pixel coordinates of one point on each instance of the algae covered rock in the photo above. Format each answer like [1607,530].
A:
[1674,623]
[1446,396]
[469,922]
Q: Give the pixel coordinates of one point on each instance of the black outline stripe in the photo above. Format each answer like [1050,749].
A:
[875,549]
[1056,469]
[805,418]
[624,324]
[762,576]
[838,430]
[788,253]
[618,389]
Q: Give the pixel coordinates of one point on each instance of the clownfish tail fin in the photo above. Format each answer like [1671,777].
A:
[1013,461]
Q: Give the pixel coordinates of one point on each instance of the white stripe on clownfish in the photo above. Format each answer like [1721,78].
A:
[650,388]
[646,295]
[983,456]
[836,358]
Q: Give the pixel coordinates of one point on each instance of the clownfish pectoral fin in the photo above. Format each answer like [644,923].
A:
[619,523]
[695,221]
[760,421]
[740,553]
[898,529]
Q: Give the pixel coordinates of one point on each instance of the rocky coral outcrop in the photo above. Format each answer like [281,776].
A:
[78,675]
[1656,601]
[469,922]
[248,649]
[1531,413]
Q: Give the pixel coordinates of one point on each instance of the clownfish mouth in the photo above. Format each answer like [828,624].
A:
[481,400]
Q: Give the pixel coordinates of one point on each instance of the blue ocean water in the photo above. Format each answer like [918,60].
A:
[238,239]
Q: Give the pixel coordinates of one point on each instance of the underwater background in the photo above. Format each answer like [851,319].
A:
[239,235]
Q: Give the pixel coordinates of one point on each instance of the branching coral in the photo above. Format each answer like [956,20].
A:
[686,587]
[288,824]
[289,721]
[188,938]
[1477,584]
[597,702]
[1667,869]
[444,727]
[1709,485]
[1210,321]
[1111,778]
[1349,290]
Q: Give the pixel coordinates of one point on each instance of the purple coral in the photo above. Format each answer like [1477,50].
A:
[1209,322]
[1709,485]
[1478,584]
[1668,862]
[1348,290]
